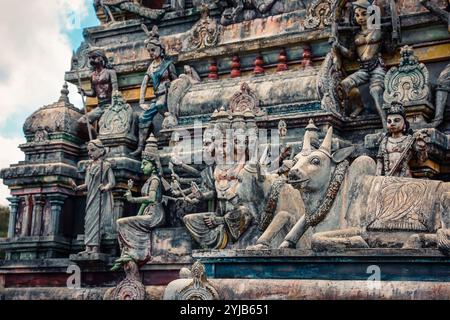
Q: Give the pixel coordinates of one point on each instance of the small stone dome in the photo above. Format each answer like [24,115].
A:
[59,117]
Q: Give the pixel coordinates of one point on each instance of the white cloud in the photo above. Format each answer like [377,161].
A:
[36,51]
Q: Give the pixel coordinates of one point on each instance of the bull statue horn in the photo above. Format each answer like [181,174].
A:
[326,144]
[259,174]
[306,143]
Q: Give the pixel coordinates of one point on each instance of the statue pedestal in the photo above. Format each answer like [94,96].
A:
[304,274]
[119,145]
[350,264]
[89,258]
[419,114]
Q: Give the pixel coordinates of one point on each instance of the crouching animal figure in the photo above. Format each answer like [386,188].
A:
[275,204]
[352,208]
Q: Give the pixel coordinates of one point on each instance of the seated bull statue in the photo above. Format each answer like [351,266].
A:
[349,207]
[276,203]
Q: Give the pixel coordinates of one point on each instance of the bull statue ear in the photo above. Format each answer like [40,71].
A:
[342,154]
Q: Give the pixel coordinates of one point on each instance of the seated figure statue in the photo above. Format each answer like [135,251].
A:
[215,230]
[135,232]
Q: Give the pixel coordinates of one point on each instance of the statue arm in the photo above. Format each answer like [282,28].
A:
[346,52]
[189,180]
[421,150]
[111,180]
[380,160]
[144,88]
[151,198]
[82,187]
[208,195]
[114,82]
[90,93]
[380,167]
[173,72]
[189,169]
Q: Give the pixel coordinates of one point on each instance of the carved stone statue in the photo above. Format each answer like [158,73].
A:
[399,145]
[215,230]
[349,207]
[319,14]
[206,190]
[443,82]
[135,232]
[367,49]
[205,33]
[176,92]
[103,84]
[277,204]
[162,72]
[408,82]
[132,6]
[99,182]
[117,118]
[192,285]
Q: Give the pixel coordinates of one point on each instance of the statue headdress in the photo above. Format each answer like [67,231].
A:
[151,152]
[365,4]
[153,38]
[99,52]
[395,107]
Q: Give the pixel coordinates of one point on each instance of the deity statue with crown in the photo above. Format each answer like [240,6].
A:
[135,232]
[216,230]
[400,144]
[162,72]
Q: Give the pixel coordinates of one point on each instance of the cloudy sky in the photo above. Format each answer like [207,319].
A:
[38,37]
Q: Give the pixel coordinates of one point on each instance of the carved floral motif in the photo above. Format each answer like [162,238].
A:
[319,14]
[205,33]
[200,288]
[408,82]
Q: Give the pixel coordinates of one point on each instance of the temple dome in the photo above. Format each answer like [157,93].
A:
[59,117]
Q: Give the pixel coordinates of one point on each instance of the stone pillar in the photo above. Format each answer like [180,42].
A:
[14,208]
[57,202]
[26,216]
[119,203]
[37,217]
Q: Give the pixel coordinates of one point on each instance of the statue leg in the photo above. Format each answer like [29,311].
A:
[280,221]
[338,239]
[443,87]
[145,121]
[350,87]
[293,237]
[441,100]
[376,91]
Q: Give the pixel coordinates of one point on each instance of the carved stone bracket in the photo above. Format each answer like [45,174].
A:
[319,14]
[117,119]
[131,288]
[246,99]
[204,34]
[200,288]
[329,86]
[409,84]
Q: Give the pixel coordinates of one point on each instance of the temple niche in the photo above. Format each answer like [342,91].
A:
[222,141]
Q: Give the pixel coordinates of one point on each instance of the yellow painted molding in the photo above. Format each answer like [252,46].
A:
[130,95]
